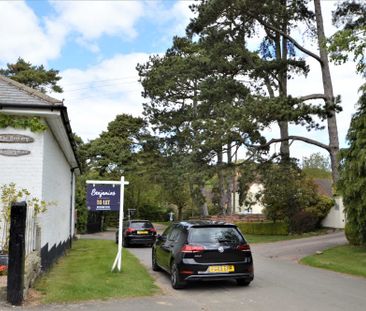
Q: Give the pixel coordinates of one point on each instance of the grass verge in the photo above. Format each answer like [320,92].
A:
[256,238]
[85,274]
[346,259]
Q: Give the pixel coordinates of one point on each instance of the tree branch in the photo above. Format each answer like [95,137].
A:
[295,43]
[313,96]
[304,139]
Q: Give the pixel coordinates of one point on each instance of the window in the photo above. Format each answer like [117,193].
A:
[217,235]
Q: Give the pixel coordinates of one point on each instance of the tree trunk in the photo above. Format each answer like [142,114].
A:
[328,92]
[203,206]
[221,182]
[229,182]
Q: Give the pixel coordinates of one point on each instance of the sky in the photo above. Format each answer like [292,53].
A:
[96,46]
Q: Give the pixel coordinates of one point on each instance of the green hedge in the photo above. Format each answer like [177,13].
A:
[263,228]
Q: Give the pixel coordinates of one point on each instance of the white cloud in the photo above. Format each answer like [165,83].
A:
[96,95]
[92,19]
[22,35]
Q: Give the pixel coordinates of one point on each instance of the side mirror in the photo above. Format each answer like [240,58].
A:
[159,237]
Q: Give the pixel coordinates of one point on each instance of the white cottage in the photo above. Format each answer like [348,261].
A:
[44,162]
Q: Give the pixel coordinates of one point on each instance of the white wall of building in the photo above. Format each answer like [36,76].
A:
[25,171]
[254,205]
[56,188]
[46,173]
[335,217]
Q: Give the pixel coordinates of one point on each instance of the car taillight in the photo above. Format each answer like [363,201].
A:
[243,247]
[192,248]
[129,230]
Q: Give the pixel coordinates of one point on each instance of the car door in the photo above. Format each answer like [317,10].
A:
[168,246]
[159,246]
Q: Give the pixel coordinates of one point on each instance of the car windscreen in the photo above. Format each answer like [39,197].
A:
[141,225]
[217,235]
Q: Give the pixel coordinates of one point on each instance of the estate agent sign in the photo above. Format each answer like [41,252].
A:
[107,195]
[102,197]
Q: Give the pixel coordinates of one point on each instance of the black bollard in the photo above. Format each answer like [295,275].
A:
[15,290]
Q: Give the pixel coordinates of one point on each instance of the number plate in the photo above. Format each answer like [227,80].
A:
[221,269]
[142,232]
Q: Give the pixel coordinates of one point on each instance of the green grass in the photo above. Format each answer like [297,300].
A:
[255,238]
[85,274]
[346,259]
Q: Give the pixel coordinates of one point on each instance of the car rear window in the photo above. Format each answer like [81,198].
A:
[141,225]
[215,235]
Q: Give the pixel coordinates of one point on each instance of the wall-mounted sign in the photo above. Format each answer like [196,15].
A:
[15,139]
[14,152]
[103,197]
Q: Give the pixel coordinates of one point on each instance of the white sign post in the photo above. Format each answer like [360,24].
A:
[118,260]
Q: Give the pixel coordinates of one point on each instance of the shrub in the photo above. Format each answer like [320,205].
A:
[321,208]
[352,234]
[303,222]
[263,228]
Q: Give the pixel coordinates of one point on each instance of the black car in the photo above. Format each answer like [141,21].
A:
[203,250]
[137,232]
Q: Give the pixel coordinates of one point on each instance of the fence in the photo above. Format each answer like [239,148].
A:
[32,233]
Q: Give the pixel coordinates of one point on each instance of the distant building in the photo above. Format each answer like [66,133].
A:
[45,163]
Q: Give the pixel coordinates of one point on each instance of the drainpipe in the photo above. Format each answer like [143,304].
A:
[71,201]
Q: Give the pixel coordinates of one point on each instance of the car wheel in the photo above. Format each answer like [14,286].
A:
[125,243]
[175,278]
[242,282]
[154,264]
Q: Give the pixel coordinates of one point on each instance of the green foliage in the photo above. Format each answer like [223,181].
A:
[19,122]
[263,228]
[352,38]
[352,183]
[321,208]
[317,173]
[303,221]
[36,77]
[9,195]
[316,161]
[352,233]
[290,196]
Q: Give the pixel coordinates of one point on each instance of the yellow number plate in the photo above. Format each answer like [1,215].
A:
[221,269]
[142,232]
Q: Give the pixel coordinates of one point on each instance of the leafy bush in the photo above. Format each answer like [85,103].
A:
[321,208]
[263,228]
[352,234]
[303,222]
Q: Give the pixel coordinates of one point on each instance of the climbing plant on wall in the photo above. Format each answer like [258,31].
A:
[35,124]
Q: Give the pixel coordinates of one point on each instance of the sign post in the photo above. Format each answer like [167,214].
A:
[108,196]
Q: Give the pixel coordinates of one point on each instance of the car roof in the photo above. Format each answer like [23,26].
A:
[204,223]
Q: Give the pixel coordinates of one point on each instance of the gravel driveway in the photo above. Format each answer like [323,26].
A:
[280,284]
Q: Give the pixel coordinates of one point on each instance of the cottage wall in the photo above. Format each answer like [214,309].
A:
[56,188]
[46,173]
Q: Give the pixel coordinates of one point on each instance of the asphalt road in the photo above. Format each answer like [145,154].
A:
[280,284]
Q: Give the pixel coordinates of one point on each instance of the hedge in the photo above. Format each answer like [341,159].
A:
[263,228]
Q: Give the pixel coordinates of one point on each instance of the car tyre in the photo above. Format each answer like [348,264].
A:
[243,282]
[175,278]
[125,243]
[154,264]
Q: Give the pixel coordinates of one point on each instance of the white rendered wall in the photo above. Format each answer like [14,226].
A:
[256,205]
[56,188]
[25,171]
[335,217]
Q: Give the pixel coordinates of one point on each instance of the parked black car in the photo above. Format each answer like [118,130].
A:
[137,232]
[203,250]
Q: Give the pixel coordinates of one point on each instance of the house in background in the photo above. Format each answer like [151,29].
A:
[45,163]
[253,205]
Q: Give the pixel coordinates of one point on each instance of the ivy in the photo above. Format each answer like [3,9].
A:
[20,122]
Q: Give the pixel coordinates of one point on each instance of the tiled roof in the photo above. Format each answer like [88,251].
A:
[12,92]
[324,186]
